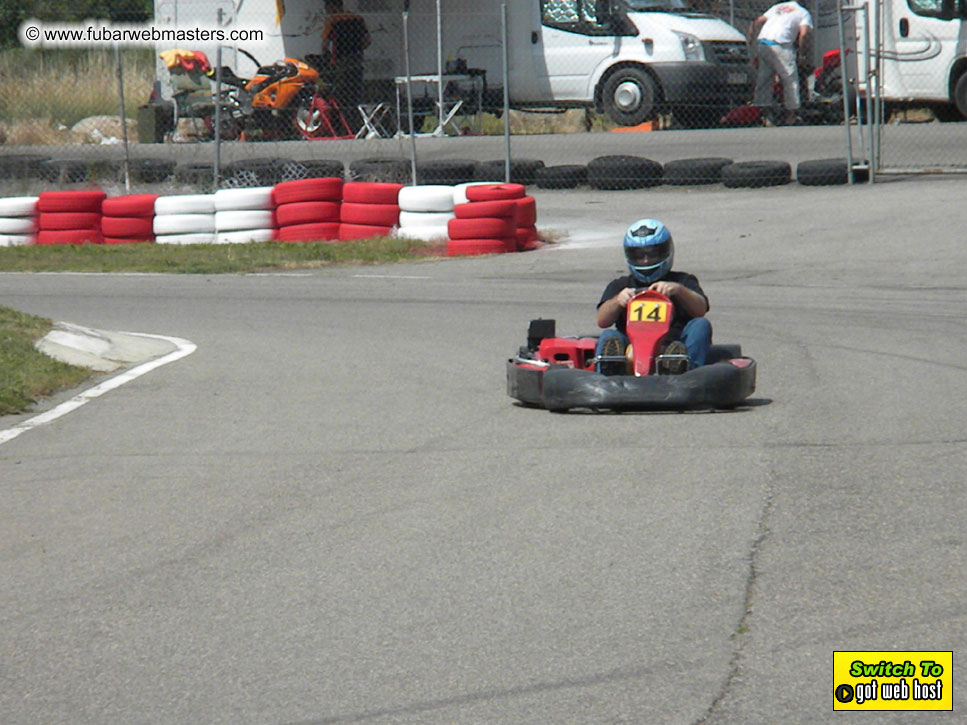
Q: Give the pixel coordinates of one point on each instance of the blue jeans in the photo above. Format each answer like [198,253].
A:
[697,336]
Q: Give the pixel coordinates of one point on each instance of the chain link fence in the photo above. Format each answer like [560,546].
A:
[577,74]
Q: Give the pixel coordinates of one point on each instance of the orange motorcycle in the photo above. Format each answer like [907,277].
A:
[284,100]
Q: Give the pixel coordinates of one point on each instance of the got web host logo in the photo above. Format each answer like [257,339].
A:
[892,680]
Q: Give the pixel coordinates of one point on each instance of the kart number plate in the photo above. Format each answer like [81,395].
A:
[736,79]
[648,311]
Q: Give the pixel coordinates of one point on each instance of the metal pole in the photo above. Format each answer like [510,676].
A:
[877,108]
[503,39]
[216,168]
[124,122]
[440,131]
[409,88]
[844,83]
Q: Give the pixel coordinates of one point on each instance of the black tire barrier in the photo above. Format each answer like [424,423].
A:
[78,171]
[613,173]
[151,171]
[256,172]
[522,171]
[381,169]
[827,172]
[195,174]
[567,176]
[756,174]
[21,166]
[314,169]
[447,172]
[685,172]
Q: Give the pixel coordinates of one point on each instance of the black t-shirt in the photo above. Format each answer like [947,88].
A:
[680,317]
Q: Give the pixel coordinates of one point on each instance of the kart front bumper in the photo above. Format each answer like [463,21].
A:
[722,384]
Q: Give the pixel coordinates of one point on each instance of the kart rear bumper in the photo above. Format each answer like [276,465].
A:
[721,384]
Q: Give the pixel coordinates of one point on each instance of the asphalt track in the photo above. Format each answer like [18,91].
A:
[331,512]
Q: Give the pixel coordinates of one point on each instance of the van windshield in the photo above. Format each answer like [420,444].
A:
[663,6]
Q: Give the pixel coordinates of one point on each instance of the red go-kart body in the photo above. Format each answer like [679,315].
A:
[559,373]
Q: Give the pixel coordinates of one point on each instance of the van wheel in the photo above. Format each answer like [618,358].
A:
[960,94]
[629,96]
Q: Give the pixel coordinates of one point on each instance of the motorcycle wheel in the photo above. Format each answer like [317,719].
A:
[310,118]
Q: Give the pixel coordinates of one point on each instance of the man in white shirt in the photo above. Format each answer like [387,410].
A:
[780,34]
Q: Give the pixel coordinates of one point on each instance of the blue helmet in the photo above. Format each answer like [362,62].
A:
[649,250]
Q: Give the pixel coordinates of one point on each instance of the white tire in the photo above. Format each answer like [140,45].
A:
[255,197]
[200,238]
[18,206]
[18,225]
[429,197]
[424,233]
[185,204]
[227,221]
[425,218]
[184,223]
[245,236]
[460,190]
[16,240]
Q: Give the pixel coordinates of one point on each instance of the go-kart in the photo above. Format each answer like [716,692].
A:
[560,373]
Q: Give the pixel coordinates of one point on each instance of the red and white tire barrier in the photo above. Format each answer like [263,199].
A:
[425,211]
[369,209]
[128,219]
[245,215]
[307,210]
[70,217]
[18,221]
[481,225]
[184,219]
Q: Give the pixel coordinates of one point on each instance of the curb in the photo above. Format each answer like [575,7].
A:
[100,350]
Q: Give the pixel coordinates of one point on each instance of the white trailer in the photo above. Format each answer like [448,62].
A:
[628,58]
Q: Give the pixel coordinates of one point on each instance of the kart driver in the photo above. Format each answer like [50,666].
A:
[650,251]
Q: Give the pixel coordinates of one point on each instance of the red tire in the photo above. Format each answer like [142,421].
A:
[57,221]
[128,240]
[526,211]
[382,215]
[371,192]
[493,192]
[467,247]
[362,231]
[323,232]
[307,212]
[482,228]
[70,201]
[70,236]
[503,208]
[293,192]
[130,205]
[128,227]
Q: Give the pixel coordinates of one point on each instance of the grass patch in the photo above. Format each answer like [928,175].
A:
[27,374]
[212,258]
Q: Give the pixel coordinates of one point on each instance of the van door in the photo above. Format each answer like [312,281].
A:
[924,48]
[576,36]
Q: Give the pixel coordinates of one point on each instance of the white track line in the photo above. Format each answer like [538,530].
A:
[185,348]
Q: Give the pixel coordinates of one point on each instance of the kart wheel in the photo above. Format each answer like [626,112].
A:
[129,205]
[307,212]
[185,204]
[567,176]
[620,172]
[190,238]
[426,198]
[495,192]
[322,232]
[503,208]
[128,227]
[62,201]
[349,232]
[382,215]
[371,192]
[308,190]
[684,172]
[18,225]
[756,174]
[184,224]
[18,206]
[55,221]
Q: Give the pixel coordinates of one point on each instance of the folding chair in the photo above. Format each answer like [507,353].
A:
[372,114]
